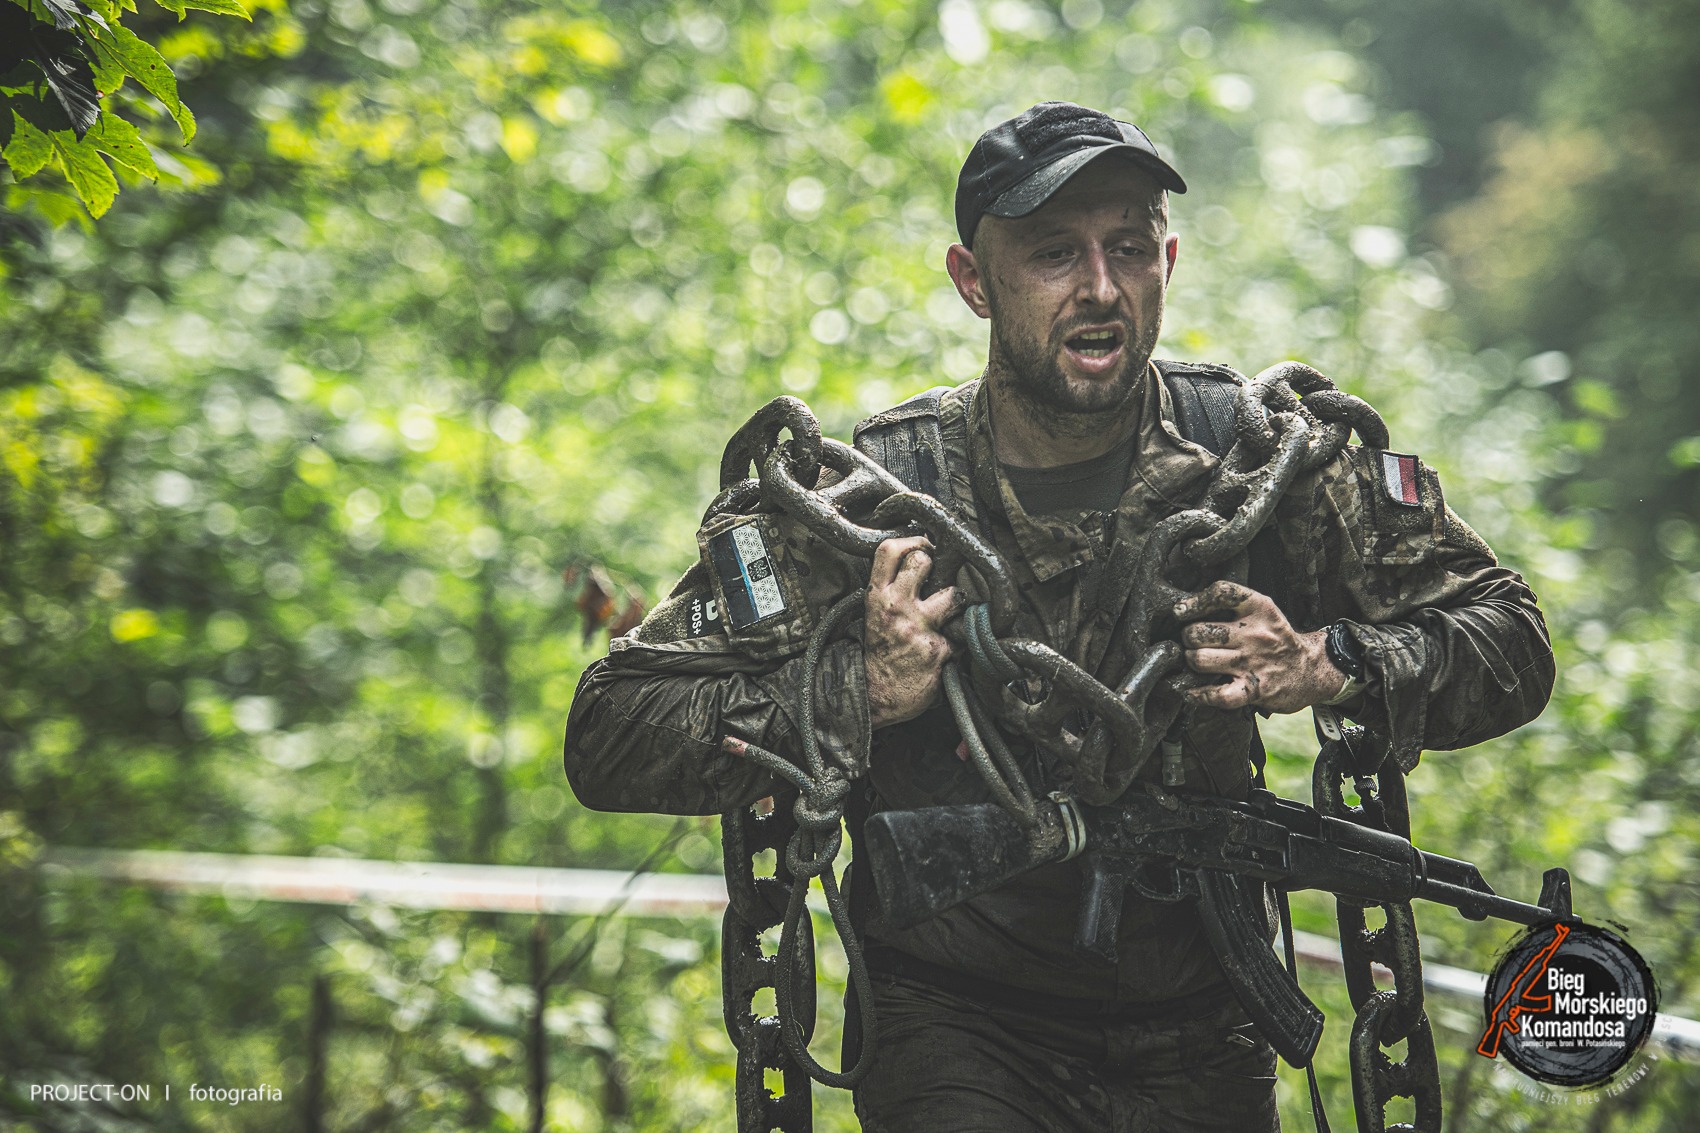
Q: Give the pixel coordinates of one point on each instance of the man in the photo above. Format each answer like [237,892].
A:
[988,1017]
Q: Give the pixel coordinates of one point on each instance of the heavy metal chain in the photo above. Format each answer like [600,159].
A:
[805,840]
[1288,420]
[1384,1018]
[756,905]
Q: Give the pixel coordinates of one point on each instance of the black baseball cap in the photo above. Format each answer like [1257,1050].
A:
[1016,165]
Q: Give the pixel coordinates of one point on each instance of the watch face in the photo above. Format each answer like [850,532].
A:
[1343,649]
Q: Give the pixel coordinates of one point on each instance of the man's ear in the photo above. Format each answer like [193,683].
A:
[964,271]
[1171,249]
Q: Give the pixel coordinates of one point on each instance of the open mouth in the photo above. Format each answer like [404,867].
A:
[1095,348]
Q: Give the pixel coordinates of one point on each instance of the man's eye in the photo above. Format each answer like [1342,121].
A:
[1054,254]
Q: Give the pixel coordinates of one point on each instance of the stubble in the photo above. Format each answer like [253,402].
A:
[1029,370]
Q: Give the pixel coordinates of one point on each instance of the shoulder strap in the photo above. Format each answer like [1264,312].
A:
[1203,397]
[907,442]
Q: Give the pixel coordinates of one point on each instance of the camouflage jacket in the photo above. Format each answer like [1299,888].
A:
[1455,648]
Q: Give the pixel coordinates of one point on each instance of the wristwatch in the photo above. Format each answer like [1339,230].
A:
[1347,653]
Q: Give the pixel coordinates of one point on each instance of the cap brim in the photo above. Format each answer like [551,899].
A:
[1028,195]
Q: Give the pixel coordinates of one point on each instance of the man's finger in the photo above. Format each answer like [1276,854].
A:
[937,608]
[1215,660]
[889,555]
[912,572]
[1198,635]
[1234,694]
[1218,601]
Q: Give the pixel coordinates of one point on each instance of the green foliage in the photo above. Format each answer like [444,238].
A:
[62,59]
[1580,252]
[292,468]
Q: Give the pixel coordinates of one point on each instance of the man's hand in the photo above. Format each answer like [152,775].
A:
[1236,632]
[904,651]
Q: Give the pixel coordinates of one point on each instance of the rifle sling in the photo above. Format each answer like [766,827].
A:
[1317,1112]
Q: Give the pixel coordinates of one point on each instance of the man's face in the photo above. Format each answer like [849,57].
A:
[1074,291]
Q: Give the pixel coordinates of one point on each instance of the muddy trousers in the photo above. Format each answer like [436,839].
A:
[956,1063]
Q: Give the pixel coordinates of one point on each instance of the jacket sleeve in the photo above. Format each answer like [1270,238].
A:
[647,721]
[645,727]
[1455,646]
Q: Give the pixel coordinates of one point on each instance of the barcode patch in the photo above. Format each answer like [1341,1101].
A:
[741,560]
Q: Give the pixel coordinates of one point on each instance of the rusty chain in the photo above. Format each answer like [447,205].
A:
[1289,419]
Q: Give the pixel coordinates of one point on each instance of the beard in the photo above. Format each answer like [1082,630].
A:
[1032,372]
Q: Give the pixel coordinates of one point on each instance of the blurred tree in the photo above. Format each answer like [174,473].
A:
[1581,255]
[1460,67]
[1566,257]
[292,470]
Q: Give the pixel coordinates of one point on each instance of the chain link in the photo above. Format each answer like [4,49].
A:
[1288,420]
[1384,1018]
[755,905]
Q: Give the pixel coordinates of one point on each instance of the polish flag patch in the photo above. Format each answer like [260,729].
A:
[1401,479]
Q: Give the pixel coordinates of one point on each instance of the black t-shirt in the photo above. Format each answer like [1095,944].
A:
[1087,486]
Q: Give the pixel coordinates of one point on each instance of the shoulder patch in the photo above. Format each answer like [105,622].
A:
[1391,501]
[691,616]
[1401,478]
[740,559]
[704,614]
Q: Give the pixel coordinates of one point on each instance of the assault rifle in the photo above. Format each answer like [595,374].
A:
[1171,847]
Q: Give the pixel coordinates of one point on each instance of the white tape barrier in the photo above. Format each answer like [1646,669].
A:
[409,885]
[579,892]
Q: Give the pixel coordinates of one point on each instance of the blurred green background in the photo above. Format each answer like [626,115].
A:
[324,466]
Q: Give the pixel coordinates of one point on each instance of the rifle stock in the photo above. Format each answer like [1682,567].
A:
[926,861]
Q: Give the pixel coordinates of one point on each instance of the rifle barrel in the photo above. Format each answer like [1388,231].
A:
[1477,905]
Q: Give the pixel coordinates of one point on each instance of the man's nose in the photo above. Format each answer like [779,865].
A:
[1097,287]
